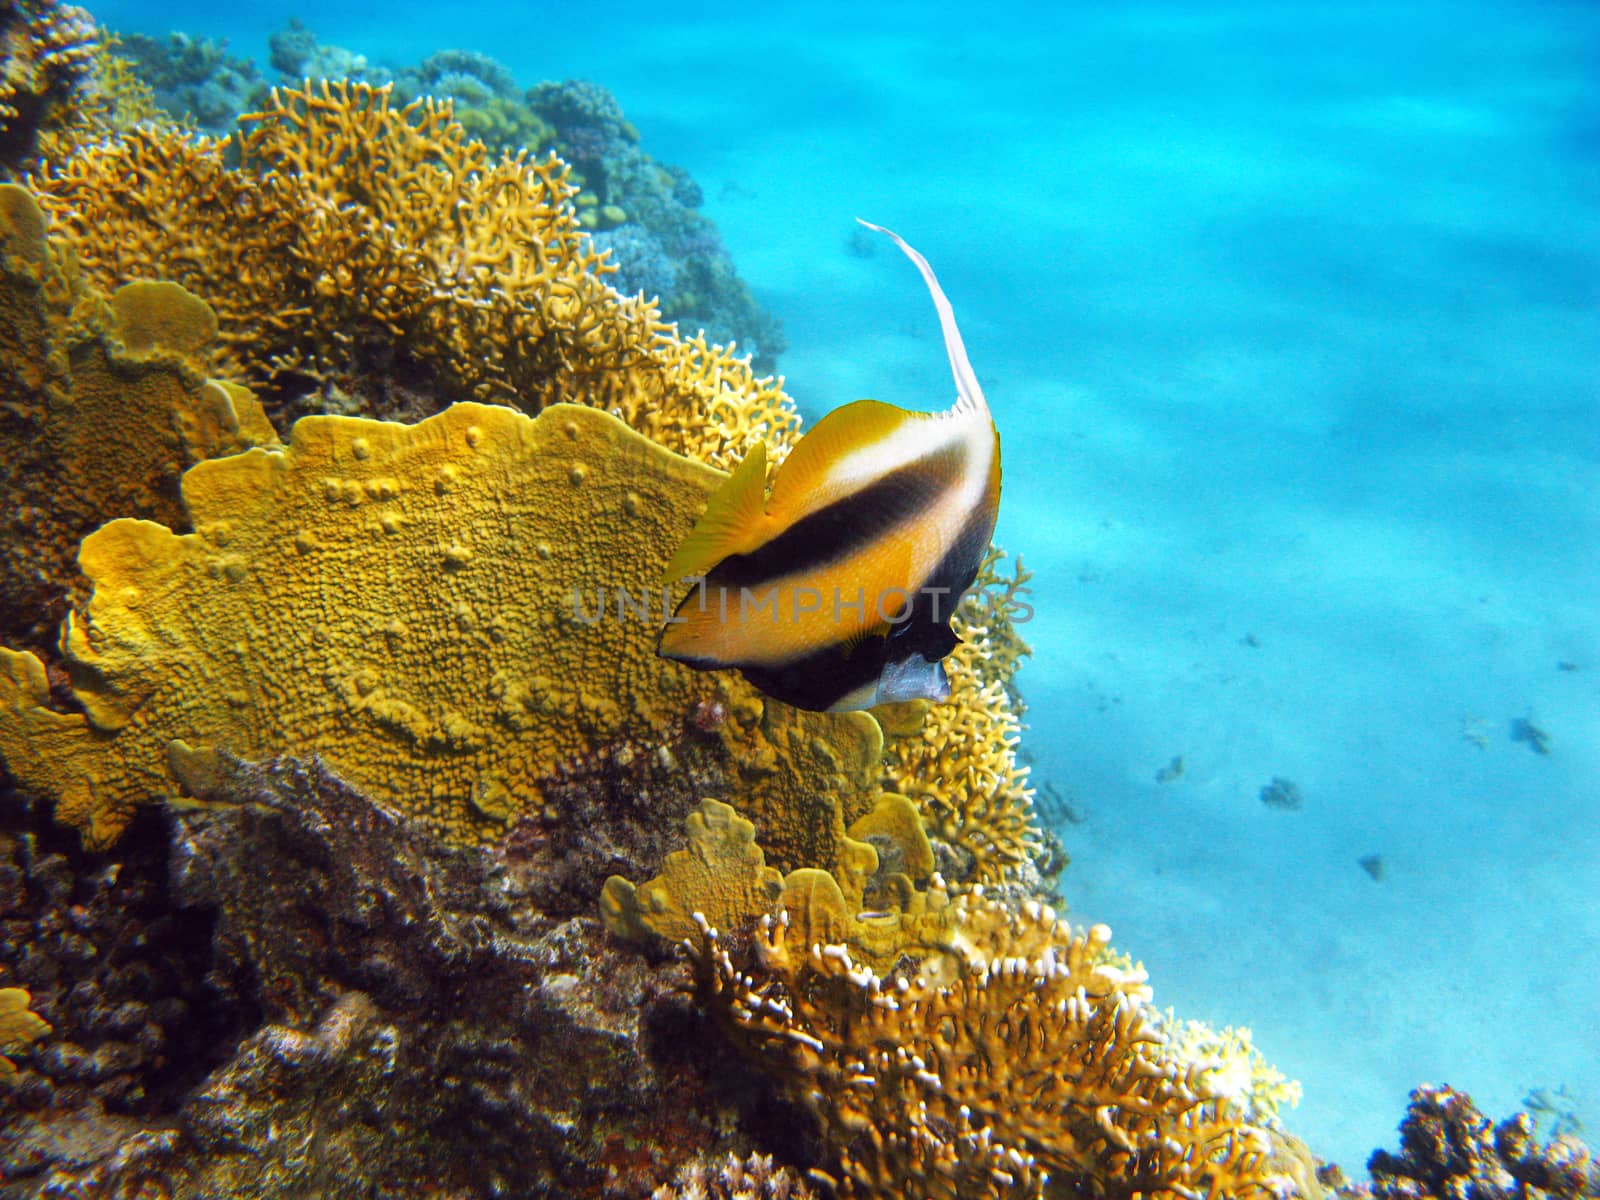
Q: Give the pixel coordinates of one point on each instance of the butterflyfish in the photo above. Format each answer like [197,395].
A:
[835,591]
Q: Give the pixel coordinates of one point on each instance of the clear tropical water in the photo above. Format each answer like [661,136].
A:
[1290,318]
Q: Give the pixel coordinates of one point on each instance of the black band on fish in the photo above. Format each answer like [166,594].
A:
[845,526]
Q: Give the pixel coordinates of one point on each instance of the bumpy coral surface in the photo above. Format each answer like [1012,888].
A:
[102,407]
[1037,1063]
[422,607]
[361,237]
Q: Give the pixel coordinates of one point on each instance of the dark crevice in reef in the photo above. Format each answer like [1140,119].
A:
[116,966]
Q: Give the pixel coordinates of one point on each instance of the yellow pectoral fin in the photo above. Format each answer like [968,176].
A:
[842,432]
[732,523]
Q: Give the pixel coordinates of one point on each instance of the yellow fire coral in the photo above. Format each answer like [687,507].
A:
[722,874]
[400,600]
[1038,1062]
[959,762]
[356,232]
[104,405]
[722,878]
[19,1026]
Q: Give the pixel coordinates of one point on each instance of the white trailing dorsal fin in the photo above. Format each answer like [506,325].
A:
[969,394]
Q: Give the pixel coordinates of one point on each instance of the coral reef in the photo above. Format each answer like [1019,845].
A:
[1451,1151]
[419,1026]
[386,254]
[1038,1062]
[485,98]
[383,954]
[47,55]
[404,601]
[297,55]
[643,212]
[105,403]
[117,972]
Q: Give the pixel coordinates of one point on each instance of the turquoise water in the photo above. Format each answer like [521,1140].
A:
[1290,319]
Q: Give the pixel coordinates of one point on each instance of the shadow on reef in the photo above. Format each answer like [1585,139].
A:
[324,1000]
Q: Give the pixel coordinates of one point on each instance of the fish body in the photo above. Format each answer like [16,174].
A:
[835,592]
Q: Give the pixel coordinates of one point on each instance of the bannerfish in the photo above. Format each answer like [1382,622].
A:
[836,591]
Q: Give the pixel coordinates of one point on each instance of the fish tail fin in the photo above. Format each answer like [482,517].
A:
[731,523]
[970,395]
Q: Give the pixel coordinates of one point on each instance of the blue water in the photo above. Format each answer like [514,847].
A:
[1290,318]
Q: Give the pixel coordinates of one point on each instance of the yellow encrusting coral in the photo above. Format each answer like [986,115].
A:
[722,877]
[19,1026]
[103,404]
[958,763]
[355,231]
[434,610]
[1039,1061]
[722,874]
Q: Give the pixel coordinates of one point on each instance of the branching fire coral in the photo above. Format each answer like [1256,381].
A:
[357,236]
[400,601]
[1038,1063]
[103,404]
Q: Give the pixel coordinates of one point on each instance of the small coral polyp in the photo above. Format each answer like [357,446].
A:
[20,1026]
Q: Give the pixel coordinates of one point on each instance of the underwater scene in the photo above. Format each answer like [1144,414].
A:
[800,601]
